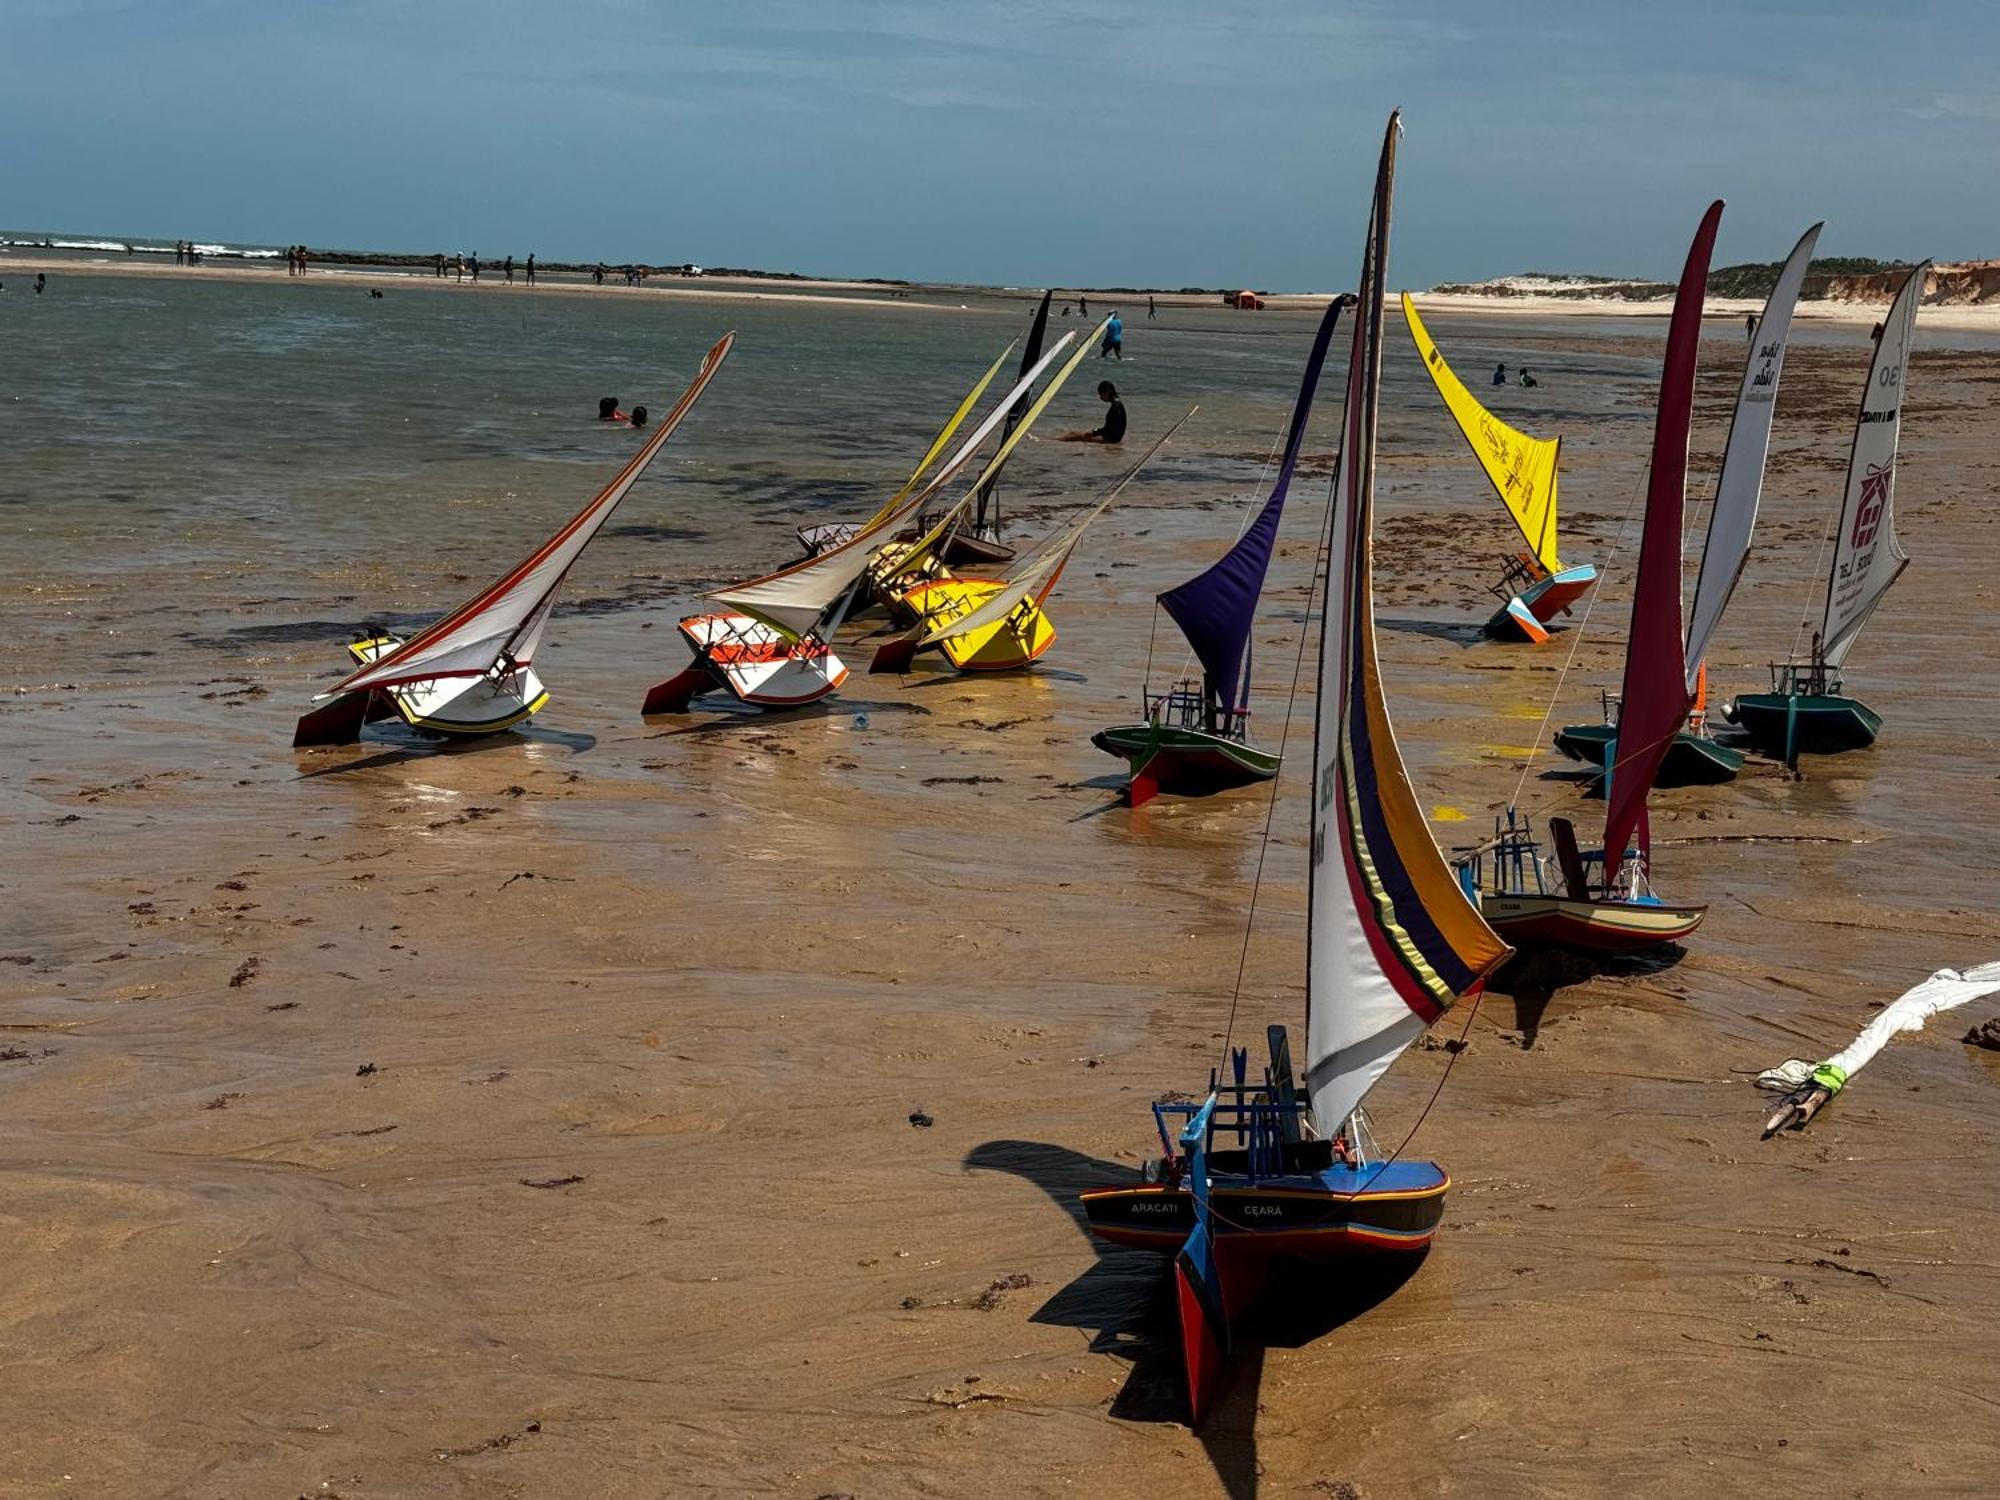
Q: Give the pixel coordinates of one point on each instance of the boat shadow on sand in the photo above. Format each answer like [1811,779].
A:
[395,743]
[1531,979]
[1125,1303]
[726,717]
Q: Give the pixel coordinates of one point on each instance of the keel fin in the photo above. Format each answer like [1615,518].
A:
[338,722]
[1204,1330]
[674,695]
[1144,785]
[894,656]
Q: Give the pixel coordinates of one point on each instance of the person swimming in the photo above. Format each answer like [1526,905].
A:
[607,410]
[1527,380]
[1500,375]
[638,417]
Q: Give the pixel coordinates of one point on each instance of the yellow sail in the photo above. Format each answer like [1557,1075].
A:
[1522,469]
[944,436]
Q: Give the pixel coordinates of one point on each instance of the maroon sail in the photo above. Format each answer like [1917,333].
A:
[1654,703]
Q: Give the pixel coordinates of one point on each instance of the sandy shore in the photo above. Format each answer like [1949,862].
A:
[535,1118]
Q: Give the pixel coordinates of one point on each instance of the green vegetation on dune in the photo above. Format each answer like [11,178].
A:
[1755,279]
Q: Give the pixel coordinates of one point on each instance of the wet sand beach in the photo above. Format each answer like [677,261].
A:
[535,1117]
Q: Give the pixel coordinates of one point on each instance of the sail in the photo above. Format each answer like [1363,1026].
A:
[1653,707]
[1035,572]
[1216,608]
[507,617]
[1521,469]
[1866,559]
[793,599]
[982,524]
[1393,940]
[1741,482]
[944,436]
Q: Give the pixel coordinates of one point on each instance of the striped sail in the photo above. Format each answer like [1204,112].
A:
[1393,940]
[506,618]
[1866,558]
[1521,469]
[1741,483]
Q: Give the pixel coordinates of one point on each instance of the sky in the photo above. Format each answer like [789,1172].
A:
[1119,142]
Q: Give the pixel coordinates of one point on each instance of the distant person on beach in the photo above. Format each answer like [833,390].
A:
[638,417]
[1114,338]
[1113,430]
[305,259]
[1500,375]
[1749,325]
[475,265]
[437,266]
[510,270]
[1875,334]
[531,270]
[1152,312]
[1528,381]
[598,275]
[460,266]
[1065,309]
[607,410]
[1083,306]
[375,291]
[40,282]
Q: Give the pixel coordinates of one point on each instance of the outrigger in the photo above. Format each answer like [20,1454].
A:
[1196,735]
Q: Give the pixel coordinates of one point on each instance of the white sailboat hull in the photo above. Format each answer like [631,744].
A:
[461,705]
[758,665]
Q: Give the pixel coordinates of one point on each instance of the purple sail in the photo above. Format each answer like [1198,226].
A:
[1217,607]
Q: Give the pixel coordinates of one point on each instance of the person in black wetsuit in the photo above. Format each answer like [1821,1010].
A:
[1113,430]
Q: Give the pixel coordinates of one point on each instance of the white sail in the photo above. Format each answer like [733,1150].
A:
[1740,485]
[506,618]
[1034,573]
[794,599]
[1393,941]
[1866,559]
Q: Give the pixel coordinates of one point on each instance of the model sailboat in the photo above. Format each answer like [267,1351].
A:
[1536,586]
[772,645]
[1806,710]
[1605,900]
[1278,1172]
[1196,737]
[1694,758]
[999,625]
[472,672]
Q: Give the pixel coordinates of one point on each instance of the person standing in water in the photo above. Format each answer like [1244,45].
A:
[40,282]
[1114,338]
[1113,430]
[1750,325]
[531,270]
[1500,375]
[1082,305]
[1152,312]
[510,270]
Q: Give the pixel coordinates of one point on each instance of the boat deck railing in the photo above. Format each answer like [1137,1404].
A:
[1520,574]
[1811,678]
[1235,1116]
[1186,706]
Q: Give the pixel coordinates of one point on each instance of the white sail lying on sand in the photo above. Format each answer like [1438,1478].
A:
[1947,989]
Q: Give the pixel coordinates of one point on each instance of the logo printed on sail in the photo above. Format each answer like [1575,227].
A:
[1874,500]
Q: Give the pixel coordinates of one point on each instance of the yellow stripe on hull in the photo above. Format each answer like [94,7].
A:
[1007,644]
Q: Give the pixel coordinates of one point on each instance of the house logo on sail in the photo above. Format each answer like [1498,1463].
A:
[1874,500]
